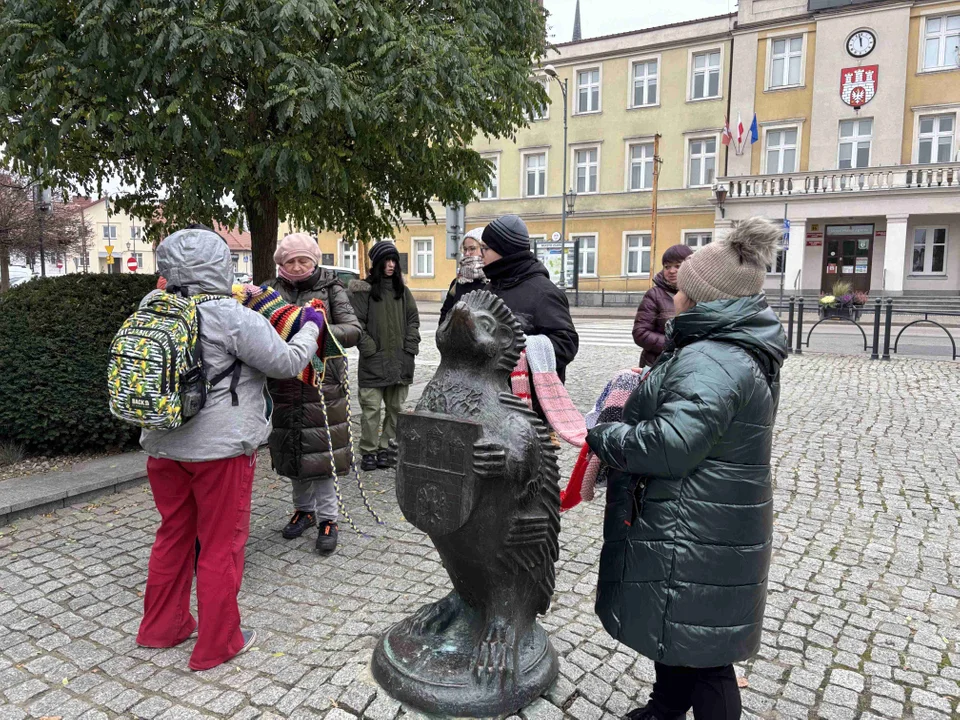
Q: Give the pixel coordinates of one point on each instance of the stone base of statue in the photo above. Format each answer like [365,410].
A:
[444,672]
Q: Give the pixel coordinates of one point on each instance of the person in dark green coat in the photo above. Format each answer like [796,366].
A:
[688,528]
[388,345]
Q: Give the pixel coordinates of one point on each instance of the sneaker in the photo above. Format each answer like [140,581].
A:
[386,459]
[249,638]
[298,524]
[641,714]
[368,463]
[327,539]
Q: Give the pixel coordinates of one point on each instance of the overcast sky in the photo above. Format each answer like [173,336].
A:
[606,17]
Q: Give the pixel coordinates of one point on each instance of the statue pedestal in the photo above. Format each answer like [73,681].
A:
[437,671]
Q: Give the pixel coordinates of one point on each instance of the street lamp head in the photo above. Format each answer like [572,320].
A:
[720,193]
[551,71]
[128,246]
[571,201]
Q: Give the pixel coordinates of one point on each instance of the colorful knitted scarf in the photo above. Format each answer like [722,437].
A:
[561,413]
[588,472]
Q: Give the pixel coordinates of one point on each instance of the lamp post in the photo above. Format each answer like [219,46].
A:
[720,193]
[551,71]
[44,203]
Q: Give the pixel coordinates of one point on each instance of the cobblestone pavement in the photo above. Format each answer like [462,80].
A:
[862,617]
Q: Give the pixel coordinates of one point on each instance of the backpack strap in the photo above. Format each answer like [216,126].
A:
[235,371]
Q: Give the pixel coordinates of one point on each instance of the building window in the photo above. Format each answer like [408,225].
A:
[697,240]
[588,254]
[645,78]
[703,162]
[585,164]
[706,75]
[423,257]
[543,111]
[136,233]
[782,151]
[535,175]
[936,138]
[855,137]
[638,254]
[348,255]
[941,43]
[929,251]
[110,234]
[641,166]
[139,259]
[236,262]
[588,90]
[786,59]
[491,192]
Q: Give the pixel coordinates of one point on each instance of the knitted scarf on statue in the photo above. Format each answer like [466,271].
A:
[540,360]
[588,472]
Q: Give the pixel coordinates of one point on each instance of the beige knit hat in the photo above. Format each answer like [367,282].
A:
[733,267]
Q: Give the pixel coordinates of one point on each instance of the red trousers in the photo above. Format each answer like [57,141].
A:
[209,501]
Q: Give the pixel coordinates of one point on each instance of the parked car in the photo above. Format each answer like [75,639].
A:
[344,273]
[20,274]
[242,278]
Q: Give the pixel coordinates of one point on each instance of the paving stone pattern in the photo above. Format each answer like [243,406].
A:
[862,616]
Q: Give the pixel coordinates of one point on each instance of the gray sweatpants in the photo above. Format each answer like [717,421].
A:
[316,496]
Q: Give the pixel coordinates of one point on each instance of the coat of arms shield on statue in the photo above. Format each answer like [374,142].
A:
[858,85]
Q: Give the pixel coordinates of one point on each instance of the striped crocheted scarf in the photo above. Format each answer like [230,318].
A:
[285,319]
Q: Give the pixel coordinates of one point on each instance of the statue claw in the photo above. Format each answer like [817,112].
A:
[433,619]
[495,656]
[489,459]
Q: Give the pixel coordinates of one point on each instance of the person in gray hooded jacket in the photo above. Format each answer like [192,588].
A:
[201,473]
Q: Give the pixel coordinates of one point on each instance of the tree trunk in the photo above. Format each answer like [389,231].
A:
[264,224]
[4,270]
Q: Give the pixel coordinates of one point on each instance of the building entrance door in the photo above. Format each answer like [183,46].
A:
[847,256]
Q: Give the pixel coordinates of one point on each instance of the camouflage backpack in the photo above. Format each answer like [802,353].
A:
[155,375]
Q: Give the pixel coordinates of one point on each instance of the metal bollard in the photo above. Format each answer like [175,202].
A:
[790,326]
[799,350]
[888,324]
[876,330]
[602,291]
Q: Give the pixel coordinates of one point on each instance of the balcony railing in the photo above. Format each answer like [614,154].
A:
[903,177]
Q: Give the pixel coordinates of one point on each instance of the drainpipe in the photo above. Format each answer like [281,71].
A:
[726,156]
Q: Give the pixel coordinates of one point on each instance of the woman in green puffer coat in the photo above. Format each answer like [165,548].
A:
[688,528]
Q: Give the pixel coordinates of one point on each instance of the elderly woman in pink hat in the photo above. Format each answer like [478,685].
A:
[301,441]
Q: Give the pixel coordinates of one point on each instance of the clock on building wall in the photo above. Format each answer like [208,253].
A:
[861,43]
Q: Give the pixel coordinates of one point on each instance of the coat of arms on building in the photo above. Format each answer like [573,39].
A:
[858,85]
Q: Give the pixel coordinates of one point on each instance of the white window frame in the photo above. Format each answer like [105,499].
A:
[767,129]
[595,251]
[139,257]
[691,54]
[697,137]
[428,255]
[109,233]
[495,195]
[545,81]
[788,36]
[641,251]
[684,234]
[631,68]
[576,88]
[524,154]
[574,167]
[918,115]
[136,233]
[628,170]
[348,257]
[928,254]
[942,35]
[855,140]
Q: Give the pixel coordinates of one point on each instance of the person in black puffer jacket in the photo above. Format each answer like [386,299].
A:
[299,444]
[688,529]
[470,275]
[523,283]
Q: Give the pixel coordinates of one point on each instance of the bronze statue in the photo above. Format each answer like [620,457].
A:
[477,472]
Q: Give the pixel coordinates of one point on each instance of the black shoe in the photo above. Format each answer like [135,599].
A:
[368,462]
[641,713]
[298,524]
[386,459]
[327,539]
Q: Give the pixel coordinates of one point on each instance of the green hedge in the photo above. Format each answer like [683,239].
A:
[55,334]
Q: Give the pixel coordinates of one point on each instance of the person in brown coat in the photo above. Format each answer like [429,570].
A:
[656,307]
[299,444]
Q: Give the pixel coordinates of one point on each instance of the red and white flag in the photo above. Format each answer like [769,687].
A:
[726,136]
[740,130]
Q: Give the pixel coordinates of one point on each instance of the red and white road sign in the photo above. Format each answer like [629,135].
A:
[132,264]
[59,266]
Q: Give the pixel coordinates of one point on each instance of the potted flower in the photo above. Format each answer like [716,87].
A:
[842,302]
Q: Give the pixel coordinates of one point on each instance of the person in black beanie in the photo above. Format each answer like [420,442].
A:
[523,283]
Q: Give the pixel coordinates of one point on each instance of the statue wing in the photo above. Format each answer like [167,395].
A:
[532,545]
